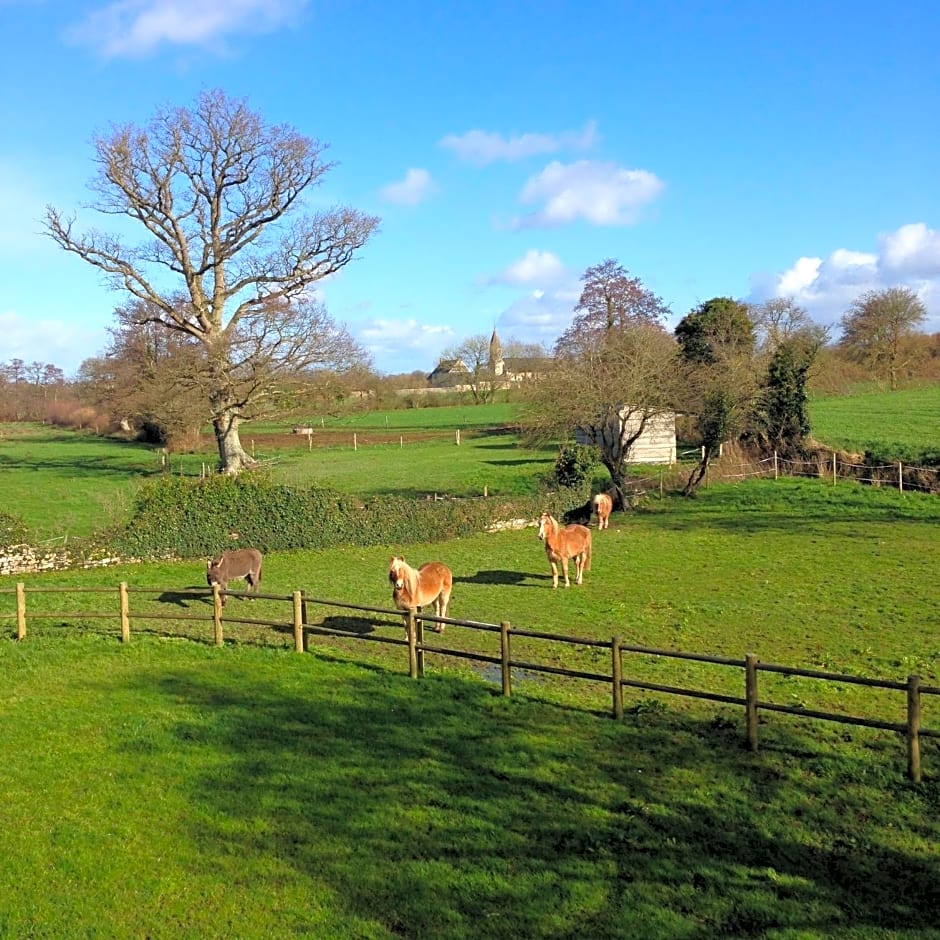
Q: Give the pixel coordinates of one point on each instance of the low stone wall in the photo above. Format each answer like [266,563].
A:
[28,559]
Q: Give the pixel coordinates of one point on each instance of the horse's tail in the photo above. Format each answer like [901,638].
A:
[587,552]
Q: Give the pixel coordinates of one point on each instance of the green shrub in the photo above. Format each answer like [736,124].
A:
[576,465]
[186,518]
[12,530]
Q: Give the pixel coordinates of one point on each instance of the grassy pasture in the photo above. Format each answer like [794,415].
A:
[176,789]
[64,483]
[438,418]
[883,422]
[797,571]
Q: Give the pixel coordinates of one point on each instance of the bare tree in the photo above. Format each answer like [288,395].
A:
[606,389]
[148,378]
[721,395]
[611,300]
[219,194]
[879,329]
[474,353]
[26,390]
[781,319]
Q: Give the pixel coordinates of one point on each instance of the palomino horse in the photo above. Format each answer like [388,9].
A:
[432,583]
[572,541]
[603,506]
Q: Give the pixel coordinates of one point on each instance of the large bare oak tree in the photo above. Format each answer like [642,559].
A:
[219,194]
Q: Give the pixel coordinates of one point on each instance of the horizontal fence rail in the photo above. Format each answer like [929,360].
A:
[303,628]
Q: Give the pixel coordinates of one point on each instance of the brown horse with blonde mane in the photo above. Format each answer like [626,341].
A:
[603,506]
[432,583]
[572,541]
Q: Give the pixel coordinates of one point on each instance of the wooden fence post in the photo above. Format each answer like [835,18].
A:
[776,467]
[412,644]
[419,646]
[504,657]
[298,622]
[834,466]
[913,728]
[125,615]
[616,673]
[750,698]
[20,610]
[217,614]
[303,617]
[900,477]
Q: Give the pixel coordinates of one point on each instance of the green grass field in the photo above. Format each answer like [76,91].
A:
[173,790]
[168,788]
[70,484]
[437,418]
[891,423]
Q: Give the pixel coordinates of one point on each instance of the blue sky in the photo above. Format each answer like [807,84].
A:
[747,149]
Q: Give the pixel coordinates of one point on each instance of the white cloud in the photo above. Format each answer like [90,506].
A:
[799,277]
[403,345]
[913,250]
[414,188]
[600,193]
[532,268]
[483,147]
[137,27]
[826,288]
[539,317]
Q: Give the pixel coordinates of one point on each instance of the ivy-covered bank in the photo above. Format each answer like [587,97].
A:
[188,518]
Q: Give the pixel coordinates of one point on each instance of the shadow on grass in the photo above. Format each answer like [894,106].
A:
[496,576]
[184,596]
[361,626]
[91,464]
[441,809]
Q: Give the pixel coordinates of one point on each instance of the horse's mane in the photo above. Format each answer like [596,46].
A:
[410,579]
[409,575]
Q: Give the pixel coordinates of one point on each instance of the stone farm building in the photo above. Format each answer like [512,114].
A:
[507,370]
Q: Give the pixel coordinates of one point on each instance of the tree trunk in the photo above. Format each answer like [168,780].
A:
[698,474]
[232,456]
[618,481]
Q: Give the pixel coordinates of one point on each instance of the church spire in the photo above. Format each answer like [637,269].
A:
[496,354]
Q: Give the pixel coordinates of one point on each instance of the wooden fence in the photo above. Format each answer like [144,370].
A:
[911,729]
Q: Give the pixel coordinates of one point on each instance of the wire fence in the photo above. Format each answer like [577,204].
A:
[827,467]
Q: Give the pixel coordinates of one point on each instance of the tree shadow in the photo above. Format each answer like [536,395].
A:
[581,515]
[518,808]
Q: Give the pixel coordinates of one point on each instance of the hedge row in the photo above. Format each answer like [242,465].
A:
[178,517]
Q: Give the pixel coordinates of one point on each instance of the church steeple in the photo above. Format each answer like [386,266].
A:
[496,354]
